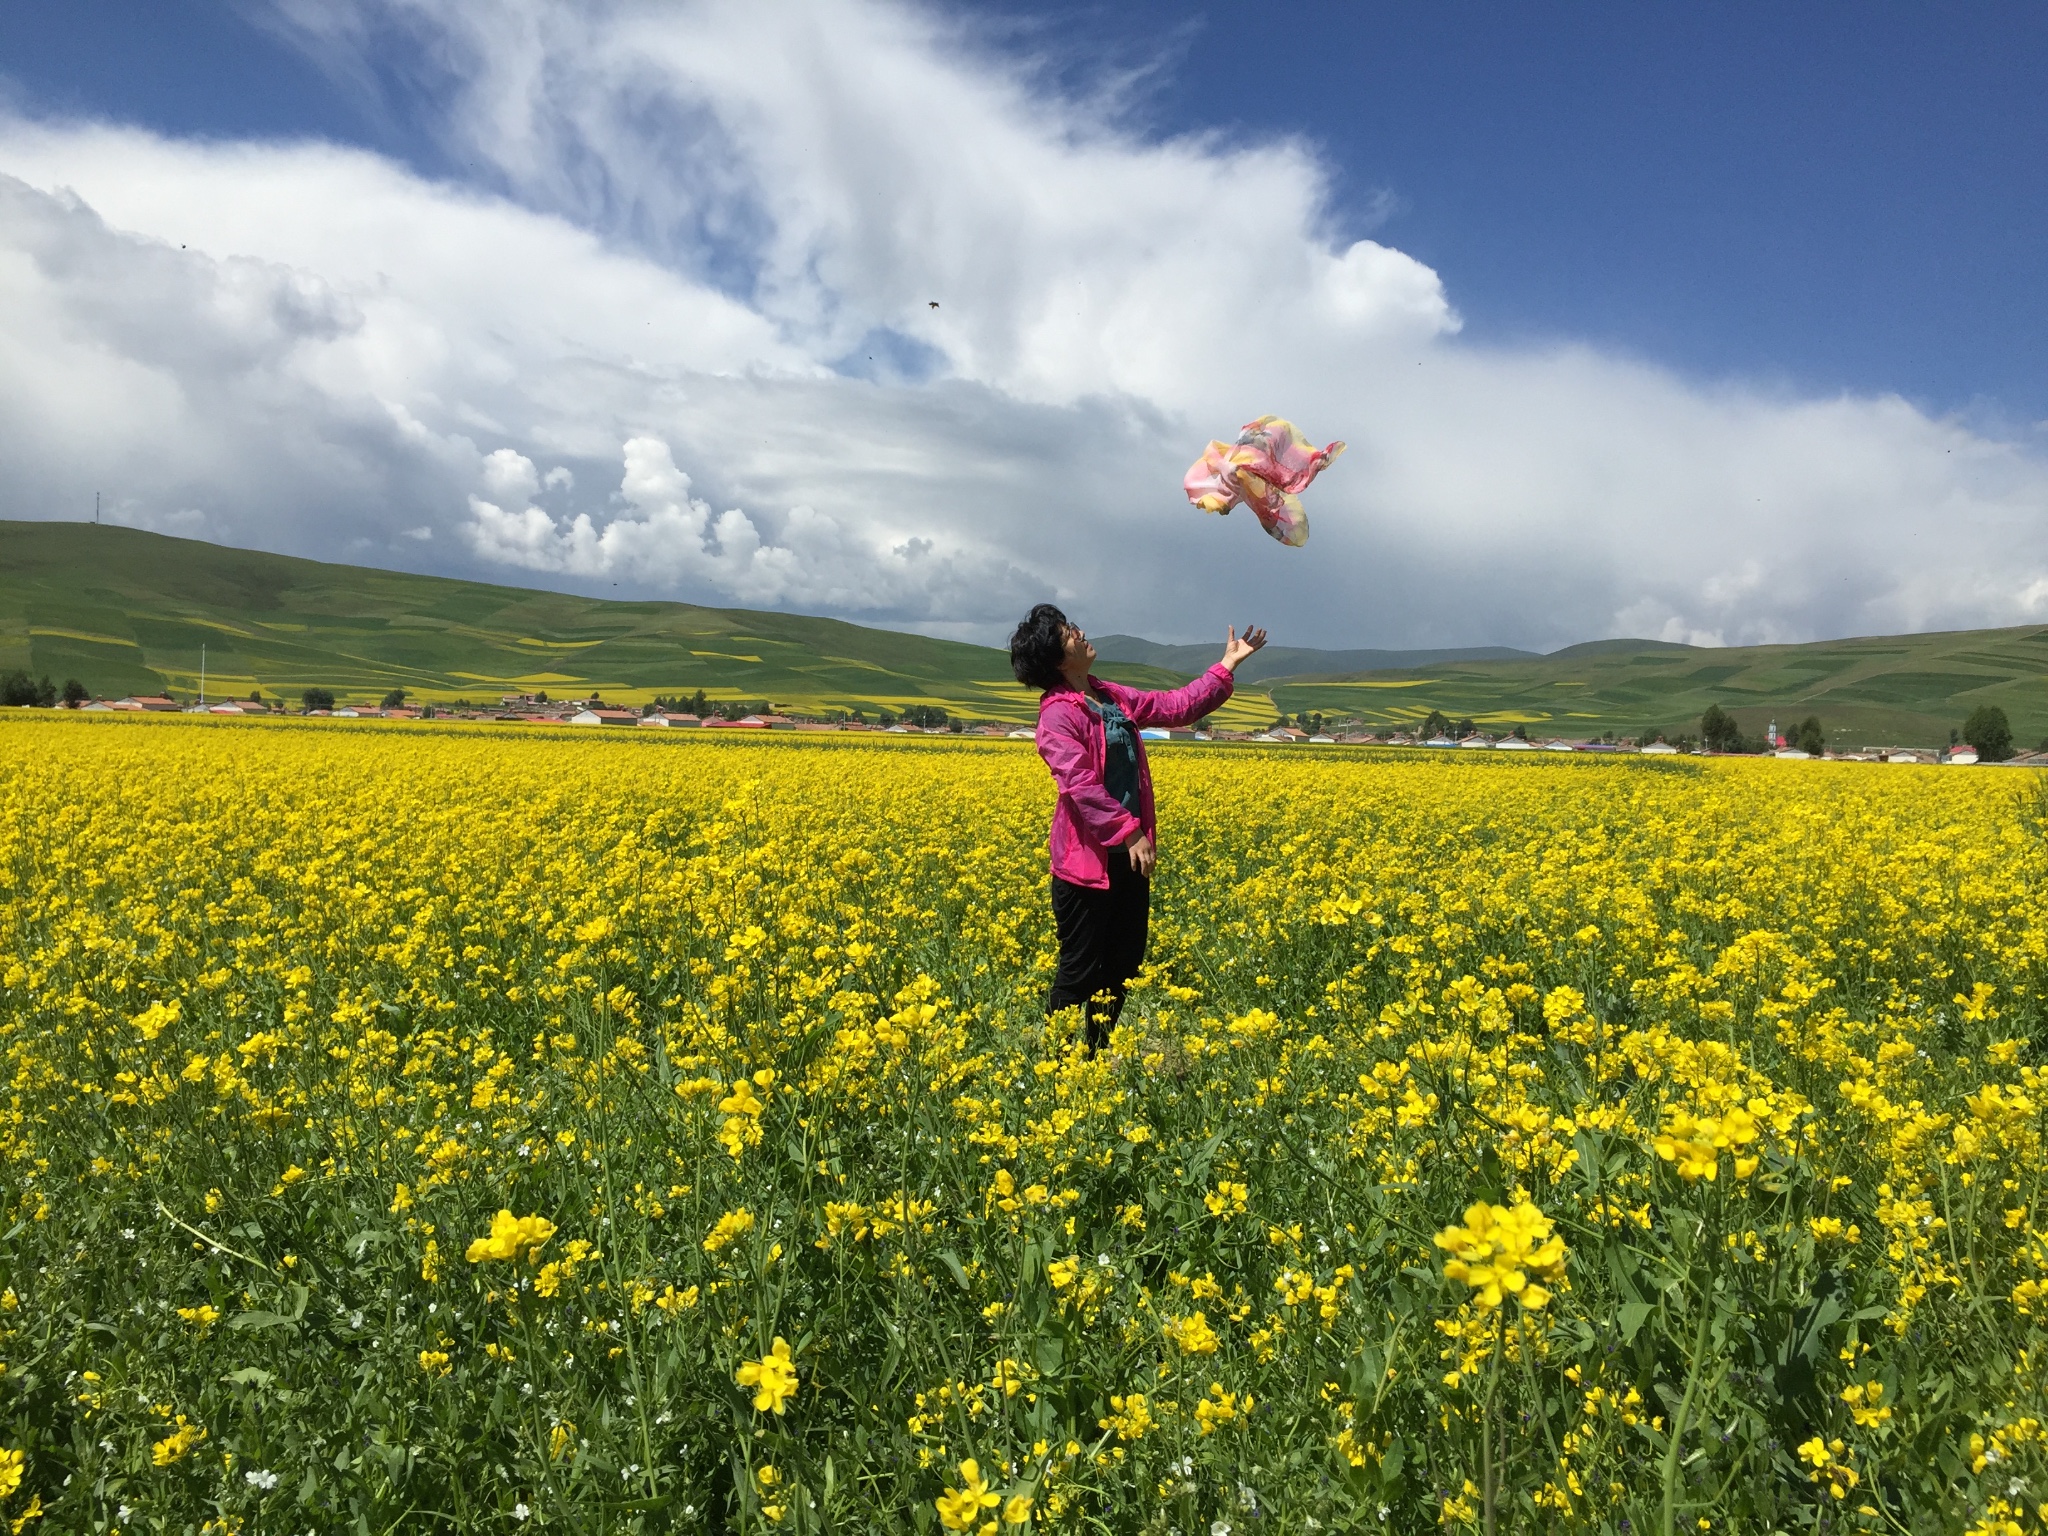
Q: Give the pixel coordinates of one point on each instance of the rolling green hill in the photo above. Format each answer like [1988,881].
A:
[127,612]
[1292,660]
[1889,689]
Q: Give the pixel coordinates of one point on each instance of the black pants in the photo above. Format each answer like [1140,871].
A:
[1102,942]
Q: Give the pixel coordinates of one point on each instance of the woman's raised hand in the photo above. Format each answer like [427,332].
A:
[1236,648]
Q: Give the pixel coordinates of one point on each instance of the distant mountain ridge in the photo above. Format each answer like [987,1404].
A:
[125,611]
[1293,660]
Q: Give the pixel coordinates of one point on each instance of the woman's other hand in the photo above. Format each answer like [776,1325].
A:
[1139,846]
[1236,649]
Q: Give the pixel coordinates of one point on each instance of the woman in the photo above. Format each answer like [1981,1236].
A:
[1103,830]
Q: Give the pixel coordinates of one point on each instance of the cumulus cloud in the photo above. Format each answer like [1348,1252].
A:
[671,539]
[707,236]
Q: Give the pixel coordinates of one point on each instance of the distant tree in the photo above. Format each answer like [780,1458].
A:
[541,697]
[1719,731]
[1808,737]
[885,719]
[1205,722]
[426,712]
[316,698]
[1464,728]
[1316,723]
[858,718]
[18,688]
[255,695]
[1436,725]
[697,704]
[956,726]
[1520,733]
[1989,732]
[74,693]
[925,716]
[395,699]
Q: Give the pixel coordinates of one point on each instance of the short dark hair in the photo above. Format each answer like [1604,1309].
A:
[1039,647]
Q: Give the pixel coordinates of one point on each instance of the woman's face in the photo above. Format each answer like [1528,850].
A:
[1080,654]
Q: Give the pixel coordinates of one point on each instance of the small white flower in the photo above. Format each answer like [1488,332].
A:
[2015,1488]
[266,1480]
[1219,1528]
[520,1511]
[129,1233]
[123,1513]
[1102,1259]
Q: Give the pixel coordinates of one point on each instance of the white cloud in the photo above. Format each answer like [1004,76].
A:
[688,228]
[671,539]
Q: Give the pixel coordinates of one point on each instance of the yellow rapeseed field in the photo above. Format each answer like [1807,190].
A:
[416,1129]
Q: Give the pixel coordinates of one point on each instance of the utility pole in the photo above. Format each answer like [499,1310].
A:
[202,674]
[95,506]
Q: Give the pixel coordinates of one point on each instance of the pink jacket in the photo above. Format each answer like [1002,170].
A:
[1088,822]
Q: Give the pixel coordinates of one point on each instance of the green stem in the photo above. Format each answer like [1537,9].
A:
[1692,1383]
[1536,1392]
[212,1242]
[1486,1491]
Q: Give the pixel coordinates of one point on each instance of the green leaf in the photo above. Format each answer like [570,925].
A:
[952,1262]
[257,1321]
[250,1376]
[1632,1315]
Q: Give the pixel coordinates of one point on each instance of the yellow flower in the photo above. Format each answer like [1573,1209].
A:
[672,1301]
[1061,1272]
[1017,1510]
[1221,1407]
[1191,1335]
[511,1237]
[202,1317]
[1129,1417]
[435,1362]
[773,1378]
[173,1446]
[1501,1252]
[960,1508]
[12,1464]
[731,1226]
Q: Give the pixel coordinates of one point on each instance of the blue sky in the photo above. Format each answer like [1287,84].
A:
[1709,324]
[1841,196]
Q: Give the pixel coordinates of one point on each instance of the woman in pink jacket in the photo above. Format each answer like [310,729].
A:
[1104,833]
